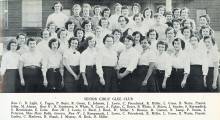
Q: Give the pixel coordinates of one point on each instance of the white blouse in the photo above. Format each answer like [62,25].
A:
[213,56]
[163,63]
[146,57]
[54,60]
[10,60]
[181,61]
[58,18]
[88,58]
[32,58]
[128,59]
[72,57]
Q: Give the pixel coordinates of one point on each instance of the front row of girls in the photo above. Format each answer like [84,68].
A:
[105,70]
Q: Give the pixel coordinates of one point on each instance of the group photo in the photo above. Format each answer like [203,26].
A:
[143,46]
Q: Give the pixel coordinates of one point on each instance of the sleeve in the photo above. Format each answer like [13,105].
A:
[186,63]
[4,64]
[205,64]
[99,59]
[168,66]
[133,61]
[83,62]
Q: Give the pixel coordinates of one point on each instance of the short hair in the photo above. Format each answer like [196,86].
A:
[58,2]
[152,30]
[195,37]
[100,21]
[50,23]
[107,36]
[116,30]
[151,11]
[69,22]
[186,27]
[76,5]
[11,42]
[162,43]
[156,15]
[71,39]
[59,32]
[126,19]
[88,39]
[204,27]
[18,35]
[30,40]
[161,6]
[52,41]
[79,29]
[130,38]
[185,8]
[185,20]
[86,5]
[117,4]
[137,32]
[169,29]
[96,6]
[175,9]
[105,9]
[43,32]
[149,42]
[136,4]
[138,15]
[210,37]
[124,7]
[181,42]
[176,20]
[206,16]
[85,22]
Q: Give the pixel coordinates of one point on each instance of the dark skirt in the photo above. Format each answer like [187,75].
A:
[175,80]
[209,80]
[70,84]
[110,77]
[11,83]
[195,81]
[54,79]
[139,76]
[93,80]
[159,76]
[33,79]
[127,84]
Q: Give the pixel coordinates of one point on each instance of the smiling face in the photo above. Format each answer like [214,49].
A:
[13,47]
[122,21]
[144,44]
[54,45]
[21,40]
[205,32]
[194,41]
[32,45]
[152,35]
[57,7]
[80,34]
[109,42]
[137,38]
[177,45]
[186,33]
[147,13]
[117,36]
[161,48]
[203,21]
[128,43]
[74,44]
[208,43]
[92,43]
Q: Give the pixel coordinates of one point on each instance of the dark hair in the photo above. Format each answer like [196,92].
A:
[126,19]
[175,9]
[10,42]
[175,20]
[88,39]
[100,21]
[67,23]
[59,32]
[58,3]
[162,43]
[71,39]
[43,32]
[138,15]
[152,30]
[137,32]
[185,8]
[209,37]
[195,37]
[105,9]
[129,37]
[18,35]
[79,29]
[85,22]
[204,27]
[107,36]
[186,27]
[168,13]
[149,42]
[116,30]
[181,42]
[124,7]
[52,41]
[48,25]
[29,40]
[206,16]
[151,11]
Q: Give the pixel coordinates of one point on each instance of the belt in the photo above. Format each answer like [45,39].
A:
[32,67]
[54,69]
[177,69]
